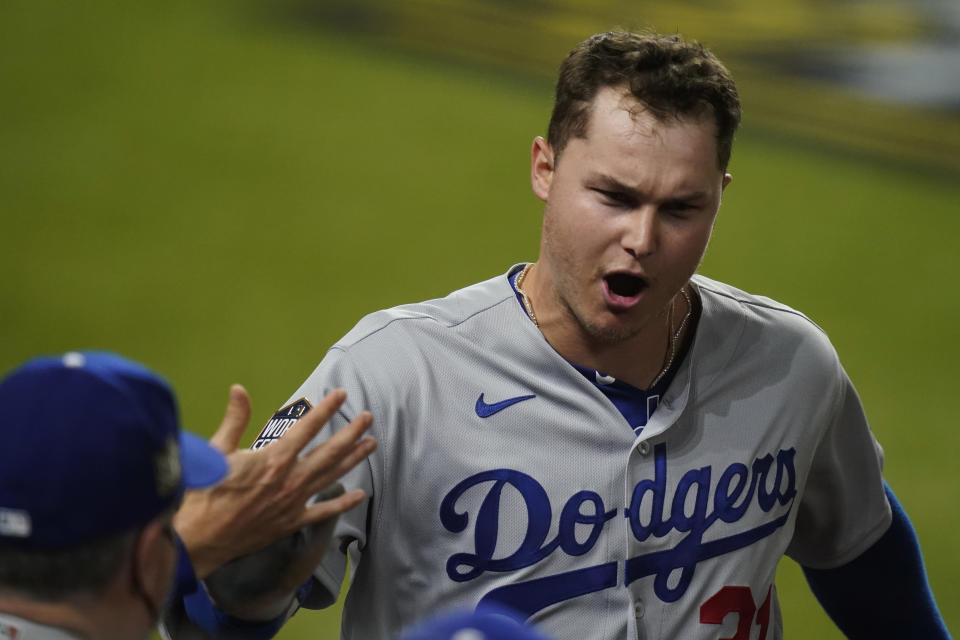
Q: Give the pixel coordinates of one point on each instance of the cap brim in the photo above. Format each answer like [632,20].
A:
[202,464]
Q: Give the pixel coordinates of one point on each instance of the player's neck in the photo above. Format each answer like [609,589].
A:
[639,359]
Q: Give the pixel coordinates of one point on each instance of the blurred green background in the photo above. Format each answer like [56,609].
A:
[221,189]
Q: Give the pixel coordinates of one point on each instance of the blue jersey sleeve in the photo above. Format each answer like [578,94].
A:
[185,581]
[190,613]
[884,593]
[201,611]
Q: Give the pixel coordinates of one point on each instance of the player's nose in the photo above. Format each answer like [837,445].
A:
[639,236]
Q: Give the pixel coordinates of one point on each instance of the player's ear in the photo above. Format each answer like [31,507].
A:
[727,179]
[155,557]
[541,167]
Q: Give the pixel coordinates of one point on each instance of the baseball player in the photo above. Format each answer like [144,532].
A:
[602,441]
[104,499]
[92,468]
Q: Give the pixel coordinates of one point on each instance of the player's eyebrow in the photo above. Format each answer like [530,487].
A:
[610,183]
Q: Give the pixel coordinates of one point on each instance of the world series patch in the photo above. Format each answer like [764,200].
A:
[282,420]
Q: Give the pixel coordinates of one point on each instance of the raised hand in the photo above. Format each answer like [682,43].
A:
[264,497]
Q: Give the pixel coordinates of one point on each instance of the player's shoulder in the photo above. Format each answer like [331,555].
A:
[725,298]
[462,306]
[757,320]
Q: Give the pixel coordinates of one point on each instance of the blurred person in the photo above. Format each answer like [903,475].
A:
[604,442]
[490,624]
[93,470]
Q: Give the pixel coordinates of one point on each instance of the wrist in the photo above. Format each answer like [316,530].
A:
[202,557]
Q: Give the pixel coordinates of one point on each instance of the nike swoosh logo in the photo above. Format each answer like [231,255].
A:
[485,410]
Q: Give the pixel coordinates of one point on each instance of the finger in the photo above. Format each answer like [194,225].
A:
[295,439]
[328,453]
[330,508]
[234,422]
[339,467]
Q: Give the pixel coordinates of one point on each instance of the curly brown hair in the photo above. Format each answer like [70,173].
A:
[670,76]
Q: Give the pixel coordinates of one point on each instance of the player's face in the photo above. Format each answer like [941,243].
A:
[629,212]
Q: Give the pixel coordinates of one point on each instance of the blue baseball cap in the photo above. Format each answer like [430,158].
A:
[91,447]
[487,623]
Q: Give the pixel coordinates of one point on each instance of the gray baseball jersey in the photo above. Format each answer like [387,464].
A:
[504,476]
[14,628]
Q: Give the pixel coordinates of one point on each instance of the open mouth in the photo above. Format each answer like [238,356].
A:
[625,285]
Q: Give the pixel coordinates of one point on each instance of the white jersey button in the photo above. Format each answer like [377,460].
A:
[644,448]
[638,609]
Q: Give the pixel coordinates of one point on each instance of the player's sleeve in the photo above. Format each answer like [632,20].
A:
[883,594]
[196,613]
[349,536]
[190,614]
[844,509]
[351,530]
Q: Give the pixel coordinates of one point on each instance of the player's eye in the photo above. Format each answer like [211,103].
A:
[678,209]
[616,198]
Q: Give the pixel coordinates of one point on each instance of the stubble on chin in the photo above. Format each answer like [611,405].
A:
[600,335]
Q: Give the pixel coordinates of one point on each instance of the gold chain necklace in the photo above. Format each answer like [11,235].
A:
[675,337]
[528,306]
[523,294]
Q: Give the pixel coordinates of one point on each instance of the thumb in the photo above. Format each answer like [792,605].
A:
[234,422]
